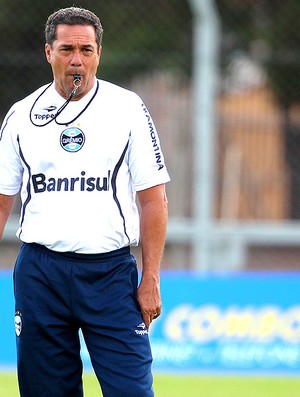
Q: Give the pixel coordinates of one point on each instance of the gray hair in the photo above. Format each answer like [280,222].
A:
[72,16]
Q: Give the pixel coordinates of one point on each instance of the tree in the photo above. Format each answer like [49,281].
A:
[283,68]
[275,23]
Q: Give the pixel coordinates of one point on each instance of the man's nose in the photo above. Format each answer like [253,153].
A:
[76,59]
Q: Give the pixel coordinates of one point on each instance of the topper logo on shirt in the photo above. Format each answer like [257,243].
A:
[72,139]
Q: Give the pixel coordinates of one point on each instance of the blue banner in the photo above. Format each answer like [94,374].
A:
[234,322]
[248,321]
[7,314]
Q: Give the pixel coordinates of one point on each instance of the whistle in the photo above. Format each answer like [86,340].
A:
[77,77]
[76,83]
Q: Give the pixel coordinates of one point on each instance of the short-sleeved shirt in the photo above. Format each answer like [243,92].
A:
[79,173]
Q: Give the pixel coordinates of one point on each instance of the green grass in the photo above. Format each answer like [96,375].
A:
[191,386]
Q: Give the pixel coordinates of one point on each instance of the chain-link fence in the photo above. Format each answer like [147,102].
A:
[148,47]
[259,119]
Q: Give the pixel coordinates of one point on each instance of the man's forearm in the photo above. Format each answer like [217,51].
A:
[153,232]
[6,204]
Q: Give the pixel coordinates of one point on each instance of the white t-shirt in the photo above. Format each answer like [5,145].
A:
[78,178]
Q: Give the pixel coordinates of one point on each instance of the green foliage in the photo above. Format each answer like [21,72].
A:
[273,24]
[237,22]
[284,63]
[139,37]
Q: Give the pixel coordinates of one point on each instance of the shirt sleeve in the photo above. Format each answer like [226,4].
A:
[11,169]
[146,159]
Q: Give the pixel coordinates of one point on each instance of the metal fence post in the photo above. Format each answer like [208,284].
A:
[206,43]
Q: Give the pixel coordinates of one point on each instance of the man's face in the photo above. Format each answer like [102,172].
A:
[74,51]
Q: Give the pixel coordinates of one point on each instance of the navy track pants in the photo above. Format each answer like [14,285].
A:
[57,295]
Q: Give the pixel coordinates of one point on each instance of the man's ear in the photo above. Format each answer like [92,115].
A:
[48,52]
[99,52]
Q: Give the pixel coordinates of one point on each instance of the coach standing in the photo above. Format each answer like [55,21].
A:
[80,149]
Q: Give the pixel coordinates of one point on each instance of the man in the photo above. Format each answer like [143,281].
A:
[79,149]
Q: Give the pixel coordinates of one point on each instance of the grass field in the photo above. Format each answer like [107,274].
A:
[191,386]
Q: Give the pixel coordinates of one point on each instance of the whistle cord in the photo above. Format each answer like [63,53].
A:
[61,108]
